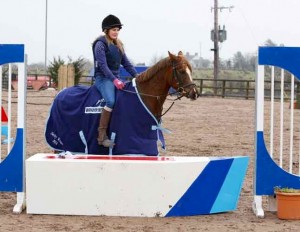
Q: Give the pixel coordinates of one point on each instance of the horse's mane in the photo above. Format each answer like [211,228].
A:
[150,72]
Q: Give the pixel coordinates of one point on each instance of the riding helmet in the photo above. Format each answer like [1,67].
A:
[111,21]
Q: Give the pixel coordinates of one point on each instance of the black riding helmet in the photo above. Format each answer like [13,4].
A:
[111,21]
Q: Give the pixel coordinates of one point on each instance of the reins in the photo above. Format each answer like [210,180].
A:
[158,98]
[145,94]
[180,90]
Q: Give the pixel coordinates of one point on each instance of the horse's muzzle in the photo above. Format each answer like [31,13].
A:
[193,93]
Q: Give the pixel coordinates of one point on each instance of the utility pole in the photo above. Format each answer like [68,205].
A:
[216,46]
[46,29]
[217,35]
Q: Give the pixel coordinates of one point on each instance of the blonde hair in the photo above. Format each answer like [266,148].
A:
[116,42]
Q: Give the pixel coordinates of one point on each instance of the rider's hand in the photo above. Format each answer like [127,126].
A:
[119,84]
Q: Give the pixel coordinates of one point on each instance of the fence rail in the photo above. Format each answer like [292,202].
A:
[242,88]
[225,88]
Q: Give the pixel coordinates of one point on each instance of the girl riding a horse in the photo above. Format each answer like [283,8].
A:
[108,56]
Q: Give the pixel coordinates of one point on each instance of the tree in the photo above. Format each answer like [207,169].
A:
[239,61]
[244,62]
[204,63]
[228,64]
[79,68]
[53,69]
[251,61]
[269,43]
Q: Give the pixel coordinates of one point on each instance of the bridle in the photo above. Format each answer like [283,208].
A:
[181,89]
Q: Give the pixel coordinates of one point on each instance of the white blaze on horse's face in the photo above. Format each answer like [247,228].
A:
[193,93]
[188,71]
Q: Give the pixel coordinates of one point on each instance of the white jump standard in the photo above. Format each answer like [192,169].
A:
[267,173]
[12,167]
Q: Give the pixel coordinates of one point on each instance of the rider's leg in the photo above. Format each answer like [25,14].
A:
[103,125]
[107,90]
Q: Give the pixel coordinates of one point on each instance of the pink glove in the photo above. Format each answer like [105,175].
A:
[119,84]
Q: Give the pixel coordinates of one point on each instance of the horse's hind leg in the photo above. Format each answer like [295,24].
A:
[103,125]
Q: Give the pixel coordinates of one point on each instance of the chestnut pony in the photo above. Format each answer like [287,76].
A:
[154,83]
[74,115]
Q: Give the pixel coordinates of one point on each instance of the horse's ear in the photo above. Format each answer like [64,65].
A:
[172,57]
[180,53]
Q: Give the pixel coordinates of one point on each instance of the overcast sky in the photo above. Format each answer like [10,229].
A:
[151,28]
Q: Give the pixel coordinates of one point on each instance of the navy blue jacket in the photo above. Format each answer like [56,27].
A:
[108,58]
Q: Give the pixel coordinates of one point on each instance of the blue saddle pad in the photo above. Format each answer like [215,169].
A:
[73,123]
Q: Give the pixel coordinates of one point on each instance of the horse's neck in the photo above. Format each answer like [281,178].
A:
[154,92]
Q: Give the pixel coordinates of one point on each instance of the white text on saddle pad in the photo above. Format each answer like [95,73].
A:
[93,110]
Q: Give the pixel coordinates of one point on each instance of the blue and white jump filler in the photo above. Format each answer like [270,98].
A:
[133,186]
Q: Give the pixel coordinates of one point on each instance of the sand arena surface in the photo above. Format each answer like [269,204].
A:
[206,127]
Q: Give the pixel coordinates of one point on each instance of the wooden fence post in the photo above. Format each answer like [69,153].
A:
[223,88]
[247,89]
[201,87]
[66,76]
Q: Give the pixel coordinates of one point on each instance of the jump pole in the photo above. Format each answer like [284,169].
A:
[12,168]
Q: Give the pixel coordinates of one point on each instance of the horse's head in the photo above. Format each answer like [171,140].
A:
[154,84]
[182,79]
